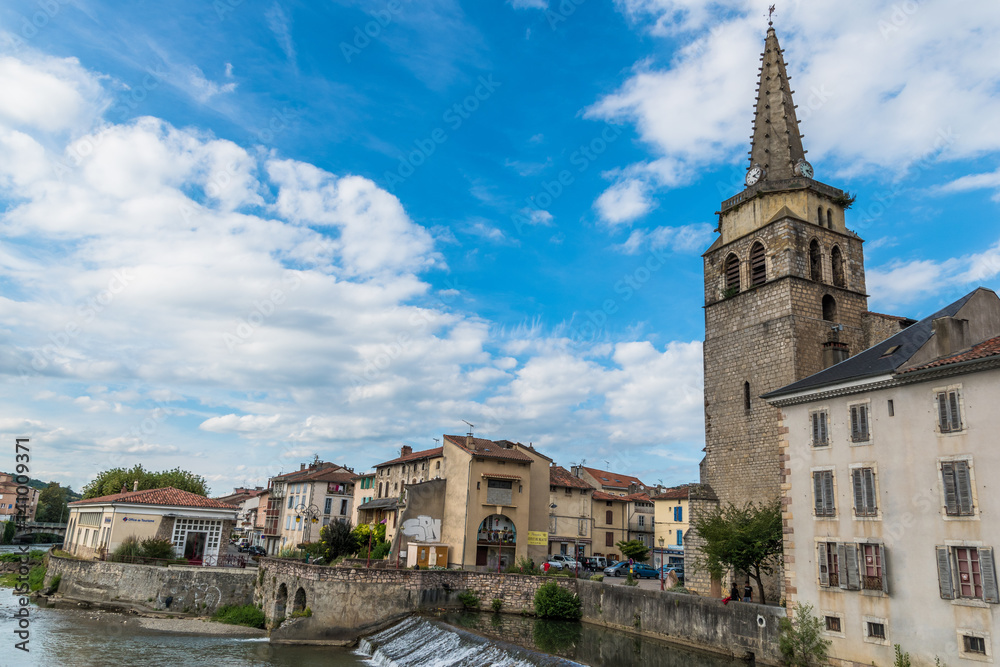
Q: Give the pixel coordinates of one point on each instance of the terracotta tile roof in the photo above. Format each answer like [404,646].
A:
[495,475]
[638,497]
[165,496]
[489,449]
[600,495]
[988,348]
[559,476]
[327,475]
[413,456]
[613,479]
[297,475]
[676,493]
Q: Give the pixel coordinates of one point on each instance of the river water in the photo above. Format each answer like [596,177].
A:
[79,638]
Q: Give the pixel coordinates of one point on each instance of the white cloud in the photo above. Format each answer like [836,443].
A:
[280,25]
[905,282]
[200,87]
[49,94]
[529,4]
[984,181]
[684,239]
[624,202]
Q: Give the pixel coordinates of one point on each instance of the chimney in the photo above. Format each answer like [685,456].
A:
[124,489]
[950,335]
[302,466]
[405,449]
[135,485]
[576,471]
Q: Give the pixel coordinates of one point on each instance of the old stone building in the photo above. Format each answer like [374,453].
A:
[784,298]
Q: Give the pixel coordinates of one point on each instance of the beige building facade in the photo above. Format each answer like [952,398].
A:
[610,514]
[671,517]
[301,502]
[570,514]
[891,524]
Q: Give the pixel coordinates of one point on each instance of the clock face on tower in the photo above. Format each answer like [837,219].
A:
[754,175]
[803,168]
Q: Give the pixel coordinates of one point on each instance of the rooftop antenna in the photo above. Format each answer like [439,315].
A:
[608,464]
[471,427]
[468,436]
[770,11]
[436,439]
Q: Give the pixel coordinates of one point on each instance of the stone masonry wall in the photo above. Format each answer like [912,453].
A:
[175,588]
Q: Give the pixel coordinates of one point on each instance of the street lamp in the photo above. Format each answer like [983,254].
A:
[309,513]
[661,563]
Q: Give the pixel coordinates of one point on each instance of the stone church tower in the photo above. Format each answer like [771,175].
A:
[784,298]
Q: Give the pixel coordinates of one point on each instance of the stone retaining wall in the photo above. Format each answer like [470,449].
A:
[184,588]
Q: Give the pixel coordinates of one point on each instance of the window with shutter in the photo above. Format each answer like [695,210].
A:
[988,568]
[758,265]
[865,499]
[859,423]
[826,559]
[609,517]
[823,493]
[819,430]
[969,572]
[732,274]
[957,483]
[824,569]
[872,567]
[949,412]
[847,557]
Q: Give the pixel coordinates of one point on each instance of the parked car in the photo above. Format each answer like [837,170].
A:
[676,569]
[595,563]
[257,551]
[643,571]
[555,564]
[619,569]
[568,562]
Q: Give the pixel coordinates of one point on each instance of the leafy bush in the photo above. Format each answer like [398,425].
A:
[16,557]
[469,599]
[292,552]
[629,581]
[801,643]
[246,614]
[381,550]
[523,566]
[152,547]
[497,604]
[129,548]
[597,577]
[36,577]
[337,540]
[554,601]
[305,613]
[902,659]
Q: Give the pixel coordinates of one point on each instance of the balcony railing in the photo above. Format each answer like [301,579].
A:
[870,583]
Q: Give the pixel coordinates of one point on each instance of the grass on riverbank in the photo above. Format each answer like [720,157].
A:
[35,578]
[246,614]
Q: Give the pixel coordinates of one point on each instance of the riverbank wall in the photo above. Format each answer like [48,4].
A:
[179,589]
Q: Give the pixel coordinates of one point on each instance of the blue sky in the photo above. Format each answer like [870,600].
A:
[237,234]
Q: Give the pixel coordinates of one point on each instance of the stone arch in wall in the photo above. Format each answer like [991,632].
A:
[837,264]
[280,600]
[731,270]
[815,261]
[829,308]
[299,603]
[758,264]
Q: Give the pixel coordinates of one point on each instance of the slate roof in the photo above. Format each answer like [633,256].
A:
[412,456]
[489,449]
[988,348]
[165,496]
[559,476]
[875,360]
[380,503]
[613,479]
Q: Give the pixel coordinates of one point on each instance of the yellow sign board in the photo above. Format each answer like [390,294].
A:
[538,538]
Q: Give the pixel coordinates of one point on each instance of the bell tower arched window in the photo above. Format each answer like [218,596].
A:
[829,219]
[837,263]
[815,262]
[829,308]
[732,274]
[758,264]
[819,216]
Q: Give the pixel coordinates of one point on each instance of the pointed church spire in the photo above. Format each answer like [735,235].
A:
[777,144]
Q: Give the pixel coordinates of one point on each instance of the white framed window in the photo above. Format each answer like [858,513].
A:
[949,408]
[876,630]
[967,571]
[819,422]
[860,423]
[865,491]
[974,645]
[958,489]
[824,493]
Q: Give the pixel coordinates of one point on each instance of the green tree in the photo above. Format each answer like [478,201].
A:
[633,549]
[746,539]
[337,539]
[51,504]
[111,481]
[801,643]
[9,530]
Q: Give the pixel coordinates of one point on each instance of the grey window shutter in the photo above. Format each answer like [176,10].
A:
[815,425]
[885,569]
[830,505]
[963,486]
[842,564]
[945,584]
[824,436]
[851,565]
[859,494]
[871,502]
[986,565]
[863,419]
[950,490]
[855,425]
[824,570]
[818,492]
[942,401]
[956,417]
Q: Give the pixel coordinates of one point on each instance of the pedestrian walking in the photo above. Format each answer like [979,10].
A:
[747,593]
[734,592]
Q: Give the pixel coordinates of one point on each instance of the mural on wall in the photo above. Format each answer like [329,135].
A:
[422,529]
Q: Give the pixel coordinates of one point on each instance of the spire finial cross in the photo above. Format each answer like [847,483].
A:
[770,11]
